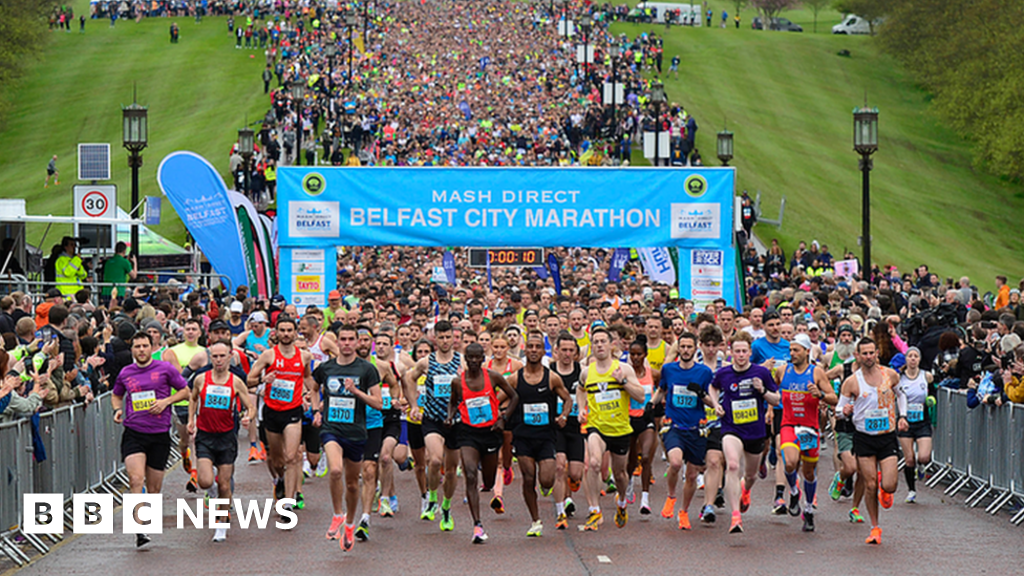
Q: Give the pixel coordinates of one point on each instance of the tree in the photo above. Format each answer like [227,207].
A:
[22,25]
[770,9]
[815,7]
[738,6]
[870,10]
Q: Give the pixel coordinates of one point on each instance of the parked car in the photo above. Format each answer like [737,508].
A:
[781,24]
[853,24]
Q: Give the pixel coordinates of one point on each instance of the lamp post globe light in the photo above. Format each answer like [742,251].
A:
[725,147]
[246,146]
[298,90]
[134,136]
[865,143]
[658,98]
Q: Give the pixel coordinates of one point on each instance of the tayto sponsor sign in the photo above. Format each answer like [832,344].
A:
[696,220]
[307,284]
[313,219]
[143,513]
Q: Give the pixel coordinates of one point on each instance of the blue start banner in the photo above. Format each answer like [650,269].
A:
[509,207]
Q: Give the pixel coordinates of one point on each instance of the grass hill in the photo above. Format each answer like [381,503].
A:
[787,96]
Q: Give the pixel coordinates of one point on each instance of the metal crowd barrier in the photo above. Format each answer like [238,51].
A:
[981,450]
[83,454]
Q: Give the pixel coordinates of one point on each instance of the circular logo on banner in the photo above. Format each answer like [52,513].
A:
[313,183]
[696,186]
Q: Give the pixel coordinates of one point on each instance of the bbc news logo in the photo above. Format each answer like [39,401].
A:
[143,513]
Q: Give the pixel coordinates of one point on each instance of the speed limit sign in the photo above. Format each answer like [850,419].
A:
[95,201]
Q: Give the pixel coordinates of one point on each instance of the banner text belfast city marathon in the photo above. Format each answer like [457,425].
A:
[562,216]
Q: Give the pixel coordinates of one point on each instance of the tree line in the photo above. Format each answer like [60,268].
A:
[22,26]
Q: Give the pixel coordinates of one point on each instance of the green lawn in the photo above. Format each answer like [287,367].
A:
[787,96]
[198,92]
[789,99]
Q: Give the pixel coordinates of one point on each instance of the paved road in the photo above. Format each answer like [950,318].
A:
[935,534]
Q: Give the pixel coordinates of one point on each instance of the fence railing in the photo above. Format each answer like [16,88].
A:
[981,450]
[82,445]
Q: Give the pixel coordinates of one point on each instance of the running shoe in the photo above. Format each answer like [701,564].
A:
[630,492]
[220,535]
[393,502]
[808,521]
[610,485]
[745,501]
[794,504]
[424,505]
[509,476]
[911,497]
[300,502]
[186,461]
[684,520]
[254,453]
[762,471]
[720,499]
[278,489]
[574,485]
[570,507]
[335,529]
[363,530]
[855,516]
[141,540]
[920,473]
[700,481]
[263,452]
[307,470]
[321,468]
[498,505]
[478,535]
[385,508]
[593,521]
[884,498]
[447,522]
[431,512]
[737,524]
[536,530]
[707,515]
[621,516]
[848,489]
[669,509]
[645,509]
[562,522]
[348,539]
[779,509]
[193,482]
[875,537]
[835,490]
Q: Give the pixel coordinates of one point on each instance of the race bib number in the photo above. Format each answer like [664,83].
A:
[877,420]
[648,391]
[442,390]
[608,400]
[143,401]
[385,392]
[744,411]
[479,410]
[683,397]
[282,390]
[535,414]
[218,397]
[915,413]
[807,438]
[341,410]
[573,412]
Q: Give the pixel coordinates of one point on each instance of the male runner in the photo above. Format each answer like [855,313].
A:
[284,372]
[212,410]
[394,405]
[842,365]
[608,386]
[349,384]
[442,450]
[577,321]
[869,398]
[803,387]
[570,444]
[772,352]
[534,439]
[741,390]
[181,357]
[146,441]
[474,402]
[684,388]
[711,346]
[374,429]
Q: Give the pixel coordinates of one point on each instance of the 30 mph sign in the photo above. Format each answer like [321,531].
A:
[95,201]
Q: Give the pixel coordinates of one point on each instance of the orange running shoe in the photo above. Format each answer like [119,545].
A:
[737,524]
[333,531]
[263,452]
[254,454]
[684,520]
[562,522]
[875,537]
[669,509]
[884,498]
[349,539]
[745,501]
[574,485]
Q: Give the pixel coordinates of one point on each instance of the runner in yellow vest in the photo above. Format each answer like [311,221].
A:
[180,356]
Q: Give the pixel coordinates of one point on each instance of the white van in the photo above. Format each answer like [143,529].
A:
[853,24]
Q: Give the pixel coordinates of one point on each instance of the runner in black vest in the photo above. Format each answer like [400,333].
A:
[570,445]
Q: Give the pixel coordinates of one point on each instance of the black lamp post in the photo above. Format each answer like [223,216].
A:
[298,93]
[658,98]
[865,143]
[245,148]
[366,21]
[565,17]
[350,21]
[586,22]
[725,146]
[134,136]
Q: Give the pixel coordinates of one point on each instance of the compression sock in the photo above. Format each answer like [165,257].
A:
[446,504]
[791,480]
[432,496]
[910,473]
[810,487]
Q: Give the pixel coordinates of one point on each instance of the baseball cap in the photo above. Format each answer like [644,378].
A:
[813,326]
[236,306]
[277,300]
[803,340]
[258,317]
[334,295]
[52,293]
[219,325]
[846,328]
